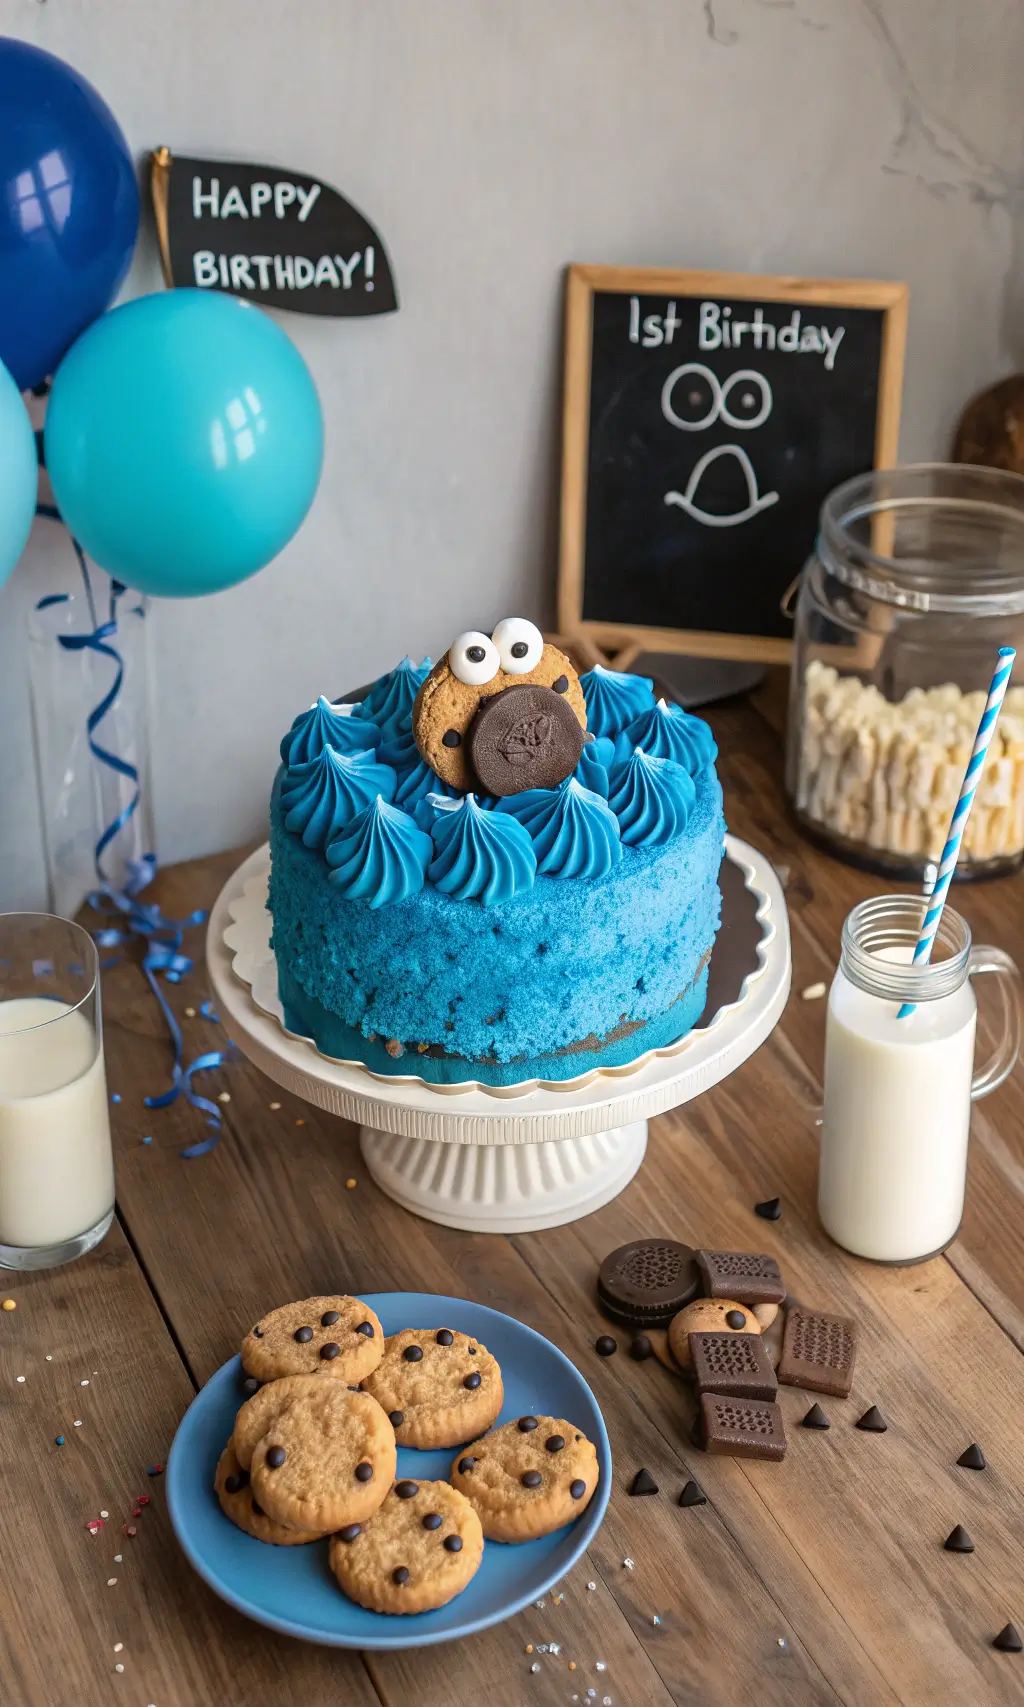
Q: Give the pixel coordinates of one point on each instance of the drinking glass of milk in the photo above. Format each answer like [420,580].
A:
[56,1166]
[898,1092]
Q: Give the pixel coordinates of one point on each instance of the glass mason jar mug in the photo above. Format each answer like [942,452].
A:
[898,1090]
[916,581]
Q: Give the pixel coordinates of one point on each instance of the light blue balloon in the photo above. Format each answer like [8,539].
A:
[19,474]
[184,441]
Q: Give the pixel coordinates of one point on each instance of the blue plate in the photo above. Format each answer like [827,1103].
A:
[292,1589]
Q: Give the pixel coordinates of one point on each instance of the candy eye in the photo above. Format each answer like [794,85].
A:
[519,645]
[473,659]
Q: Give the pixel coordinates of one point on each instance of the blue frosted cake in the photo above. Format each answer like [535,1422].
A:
[494,869]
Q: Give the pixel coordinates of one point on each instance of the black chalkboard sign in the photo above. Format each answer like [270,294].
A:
[273,237]
[707,415]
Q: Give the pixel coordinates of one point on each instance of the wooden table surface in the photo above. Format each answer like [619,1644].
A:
[820,1580]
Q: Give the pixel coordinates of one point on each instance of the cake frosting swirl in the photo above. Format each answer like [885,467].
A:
[478,855]
[381,857]
[614,699]
[573,830]
[390,700]
[323,795]
[669,732]
[327,725]
[652,799]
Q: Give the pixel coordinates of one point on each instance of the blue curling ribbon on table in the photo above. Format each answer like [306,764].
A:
[163,937]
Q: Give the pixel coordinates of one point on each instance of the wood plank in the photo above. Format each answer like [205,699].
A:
[91,1345]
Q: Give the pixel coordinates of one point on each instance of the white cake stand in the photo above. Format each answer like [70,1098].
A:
[510,1159]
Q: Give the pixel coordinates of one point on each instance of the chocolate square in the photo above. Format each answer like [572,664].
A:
[818,1352]
[742,1428]
[746,1276]
[735,1364]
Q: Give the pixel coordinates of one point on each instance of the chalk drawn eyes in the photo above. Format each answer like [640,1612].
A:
[753,405]
[519,645]
[473,658]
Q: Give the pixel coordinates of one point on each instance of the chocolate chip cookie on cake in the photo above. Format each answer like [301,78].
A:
[438,1387]
[416,1553]
[339,1337]
[527,1477]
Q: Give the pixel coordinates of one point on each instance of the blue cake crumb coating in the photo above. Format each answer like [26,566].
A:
[602,968]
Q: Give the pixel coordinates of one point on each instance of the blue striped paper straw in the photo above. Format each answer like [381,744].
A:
[961,812]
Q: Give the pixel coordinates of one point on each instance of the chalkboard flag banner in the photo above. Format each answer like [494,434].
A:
[268,236]
[706,417]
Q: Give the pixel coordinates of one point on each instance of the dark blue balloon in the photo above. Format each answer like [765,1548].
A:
[69,209]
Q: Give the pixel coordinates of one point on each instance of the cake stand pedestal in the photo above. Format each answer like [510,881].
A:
[519,1158]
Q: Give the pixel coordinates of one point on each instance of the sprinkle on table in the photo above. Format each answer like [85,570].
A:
[300,1123]
[111,1581]
[148,1138]
[118,1647]
[813,992]
[20,1379]
[78,1422]
[224,1096]
[350,1185]
[9,1304]
[190,1013]
[116,1097]
[58,1440]
[275,1106]
[155,1470]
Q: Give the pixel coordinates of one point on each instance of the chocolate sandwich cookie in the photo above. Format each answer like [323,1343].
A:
[818,1352]
[528,1477]
[234,1491]
[645,1283]
[437,1386]
[746,1275]
[416,1553]
[338,1337]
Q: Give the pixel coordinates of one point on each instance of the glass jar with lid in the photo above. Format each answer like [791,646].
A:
[916,580]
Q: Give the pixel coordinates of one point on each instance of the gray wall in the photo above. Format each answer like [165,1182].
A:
[492,141]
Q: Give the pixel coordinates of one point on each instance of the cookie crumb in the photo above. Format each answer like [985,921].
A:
[813,992]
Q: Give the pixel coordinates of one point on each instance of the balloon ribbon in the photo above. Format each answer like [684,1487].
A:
[162,936]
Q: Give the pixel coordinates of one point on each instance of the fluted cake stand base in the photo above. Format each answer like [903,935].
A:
[518,1159]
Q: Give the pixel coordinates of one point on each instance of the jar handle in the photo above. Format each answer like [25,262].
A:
[1007,1050]
[787,602]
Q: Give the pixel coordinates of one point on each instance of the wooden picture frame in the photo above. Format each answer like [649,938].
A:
[624,641]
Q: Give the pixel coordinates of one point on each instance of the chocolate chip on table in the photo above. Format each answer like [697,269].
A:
[531,1478]
[526,1425]
[1008,1640]
[770,1209]
[368,1329]
[605,1346]
[407,1490]
[413,1354]
[364,1472]
[692,1494]
[577,1489]
[276,1456]
[330,1351]
[396,1418]
[872,1421]
[329,1317]
[400,1574]
[466,1464]
[640,1348]
[554,1443]
[972,1458]
[815,1418]
[958,1541]
[451,738]
[350,1531]
[302,1335]
[433,1520]
[735,1319]
[453,1543]
[643,1483]
[474,1380]
[444,1336]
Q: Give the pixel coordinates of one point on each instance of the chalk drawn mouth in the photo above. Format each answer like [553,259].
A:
[755,502]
